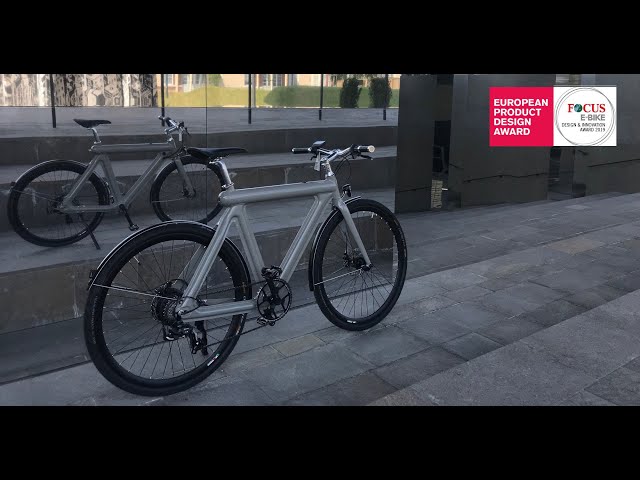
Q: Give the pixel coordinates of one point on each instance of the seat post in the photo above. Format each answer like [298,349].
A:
[225,174]
[95,135]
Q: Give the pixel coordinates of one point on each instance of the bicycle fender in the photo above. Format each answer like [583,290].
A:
[312,254]
[48,162]
[94,273]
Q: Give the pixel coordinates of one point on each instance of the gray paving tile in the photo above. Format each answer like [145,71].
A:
[471,345]
[500,267]
[227,391]
[298,345]
[359,390]
[413,291]
[575,245]
[313,369]
[623,314]
[400,313]
[467,293]
[59,388]
[471,314]
[401,398]
[507,304]
[385,345]
[453,279]
[498,283]
[614,255]
[587,342]
[594,297]
[634,365]
[626,283]
[533,293]
[609,235]
[434,328]
[241,361]
[553,313]
[417,367]
[586,399]
[513,375]
[569,281]
[333,334]
[621,387]
[510,330]
[432,304]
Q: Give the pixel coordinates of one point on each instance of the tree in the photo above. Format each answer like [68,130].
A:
[379,92]
[350,91]
[214,79]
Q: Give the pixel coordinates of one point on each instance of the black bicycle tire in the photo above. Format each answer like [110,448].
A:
[39,170]
[319,291]
[154,193]
[94,337]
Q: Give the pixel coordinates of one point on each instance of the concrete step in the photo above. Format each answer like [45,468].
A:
[32,148]
[246,171]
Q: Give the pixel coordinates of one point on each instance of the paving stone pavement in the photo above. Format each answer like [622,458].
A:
[454,337]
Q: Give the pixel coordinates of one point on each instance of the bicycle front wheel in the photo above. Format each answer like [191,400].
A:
[33,206]
[172,200]
[132,331]
[349,293]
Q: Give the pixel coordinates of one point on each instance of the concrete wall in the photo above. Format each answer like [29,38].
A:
[33,150]
[479,174]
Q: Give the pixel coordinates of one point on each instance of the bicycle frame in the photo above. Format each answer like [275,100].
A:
[102,158]
[234,203]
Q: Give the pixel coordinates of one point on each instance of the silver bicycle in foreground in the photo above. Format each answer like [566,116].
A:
[167,306]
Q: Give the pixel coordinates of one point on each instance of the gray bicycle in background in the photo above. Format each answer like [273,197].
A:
[167,306]
[60,202]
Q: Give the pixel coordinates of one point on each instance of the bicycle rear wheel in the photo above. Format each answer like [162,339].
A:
[132,332]
[351,295]
[33,204]
[171,199]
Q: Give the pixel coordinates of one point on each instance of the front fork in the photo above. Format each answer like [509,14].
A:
[351,226]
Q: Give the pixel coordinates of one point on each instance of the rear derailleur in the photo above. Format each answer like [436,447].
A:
[180,330]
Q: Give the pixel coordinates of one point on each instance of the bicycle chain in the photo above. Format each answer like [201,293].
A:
[272,323]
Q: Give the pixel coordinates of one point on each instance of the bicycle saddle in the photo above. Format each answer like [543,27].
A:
[213,153]
[90,123]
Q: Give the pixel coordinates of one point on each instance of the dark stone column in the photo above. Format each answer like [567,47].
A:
[614,169]
[415,143]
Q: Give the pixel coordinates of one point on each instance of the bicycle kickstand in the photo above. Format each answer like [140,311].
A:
[132,226]
[93,237]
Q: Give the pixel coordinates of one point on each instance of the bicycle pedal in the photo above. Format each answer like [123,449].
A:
[133,227]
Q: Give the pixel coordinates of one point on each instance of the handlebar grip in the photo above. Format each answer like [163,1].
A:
[366,148]
[301,150]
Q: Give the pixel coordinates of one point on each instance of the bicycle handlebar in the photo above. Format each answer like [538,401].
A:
[173,126]
[301,150]
[352,149]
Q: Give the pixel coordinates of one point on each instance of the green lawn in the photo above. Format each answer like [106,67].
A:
[278,97]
